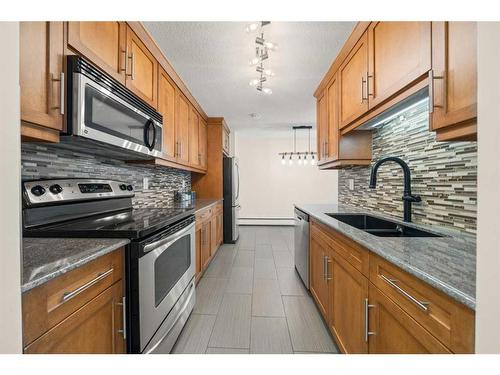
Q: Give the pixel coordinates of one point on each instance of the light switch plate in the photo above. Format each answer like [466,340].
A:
[351,184]
[145,183]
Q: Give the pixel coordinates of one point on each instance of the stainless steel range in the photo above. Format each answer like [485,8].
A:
[160,259]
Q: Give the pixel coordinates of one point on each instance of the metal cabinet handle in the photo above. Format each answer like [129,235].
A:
[368,86]
[367,332]
[363,81]
[132,63]
[432,77]
[393,283]
[324,268]
[124,317]
[60,107]
[68,295]
[328,275]
[326,149]
[124,66]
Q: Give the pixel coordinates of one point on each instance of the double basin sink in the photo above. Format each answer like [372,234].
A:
[381,227]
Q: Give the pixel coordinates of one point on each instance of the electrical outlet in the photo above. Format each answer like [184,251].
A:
[145,183]
[351,184]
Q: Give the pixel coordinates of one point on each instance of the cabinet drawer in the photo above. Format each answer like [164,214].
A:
[449,321]
[203,215]
[47,305]
[356,255]
[218,208]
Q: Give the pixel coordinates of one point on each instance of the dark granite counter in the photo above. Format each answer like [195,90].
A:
[47,258]
[198,204]
[447,263]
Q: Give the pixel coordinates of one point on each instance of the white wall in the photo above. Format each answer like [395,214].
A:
[269,189]
[10,167]
[488,235]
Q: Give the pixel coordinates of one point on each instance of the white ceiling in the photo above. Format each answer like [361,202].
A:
[212,60]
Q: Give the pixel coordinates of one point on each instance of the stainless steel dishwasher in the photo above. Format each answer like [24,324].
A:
[301,240]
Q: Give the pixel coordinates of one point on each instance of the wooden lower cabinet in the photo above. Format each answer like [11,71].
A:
[94,328]
[393,331]
[348,295]
[205,244]
[366,315]
[208,236]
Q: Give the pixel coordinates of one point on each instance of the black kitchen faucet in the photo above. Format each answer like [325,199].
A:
[408,197]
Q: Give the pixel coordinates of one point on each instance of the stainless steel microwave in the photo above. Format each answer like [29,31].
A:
[105,117]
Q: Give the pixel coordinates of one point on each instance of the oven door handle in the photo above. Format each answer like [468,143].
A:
[164,243]
[179,315]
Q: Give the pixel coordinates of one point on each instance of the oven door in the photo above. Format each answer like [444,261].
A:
[101,115]
[165,271]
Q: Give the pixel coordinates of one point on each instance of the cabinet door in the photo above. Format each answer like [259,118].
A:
[166,106]
[94,328]
[41,70]
[213,235]
[454,80]
[205,244]
[318,276]
[398,54]
[220,220]
[193,137]
[322,126]
[333,120]
[142,75]
[203,143]
[348,293]
[226,141]
[103,43]
[199,240]
[353,83]
[395,332]
[182,128]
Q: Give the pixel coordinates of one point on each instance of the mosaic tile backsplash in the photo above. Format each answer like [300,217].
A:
[50,161]
[444,174]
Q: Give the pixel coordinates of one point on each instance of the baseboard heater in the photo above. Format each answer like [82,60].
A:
[266,221]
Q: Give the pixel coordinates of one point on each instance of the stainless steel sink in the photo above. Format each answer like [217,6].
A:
[381,227]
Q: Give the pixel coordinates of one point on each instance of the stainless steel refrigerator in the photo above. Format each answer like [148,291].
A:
[231,177]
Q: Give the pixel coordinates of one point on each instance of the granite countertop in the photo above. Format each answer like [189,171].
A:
[198,204]
[46,258]
[447,263]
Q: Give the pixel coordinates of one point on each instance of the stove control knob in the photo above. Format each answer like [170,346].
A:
[55,189]
[37,190]
[123,187]
[130,188]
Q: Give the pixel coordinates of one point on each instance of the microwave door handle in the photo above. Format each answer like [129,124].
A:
[149,145]
[154,135]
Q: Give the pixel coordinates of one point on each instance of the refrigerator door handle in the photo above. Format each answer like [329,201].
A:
[238,180]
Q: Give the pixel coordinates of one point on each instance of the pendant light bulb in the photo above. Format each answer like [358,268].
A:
[283,161]
[267,90]
[290,161]
[252,27]
[305,159]
[300,160]
[254,61]
[313,160]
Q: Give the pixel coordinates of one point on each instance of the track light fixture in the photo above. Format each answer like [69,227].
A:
[262,48]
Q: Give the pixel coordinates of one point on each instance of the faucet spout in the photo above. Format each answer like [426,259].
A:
[408,197]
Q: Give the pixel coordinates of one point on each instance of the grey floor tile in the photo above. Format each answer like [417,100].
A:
[266,299]
[209,293]
[244,259]
[270,336]
[263,251]
[307,330]
[227,351]
[195,335]
[220,267]
[241,280]
[227,251]
[232,326]
[265,269]
[283,258]
[290,282]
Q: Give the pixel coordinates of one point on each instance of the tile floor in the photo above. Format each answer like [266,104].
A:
[251,300]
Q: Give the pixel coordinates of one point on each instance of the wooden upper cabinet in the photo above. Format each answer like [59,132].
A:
[203,143]
[226,140]
[453,82]
[40,72]
[349,294]
[322,126]
[194,154]
[94,328]
[352,76]
[395,332]
[142,69]
[103,43]
[166,106]
[399,53]
[182,128]
[332,129]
